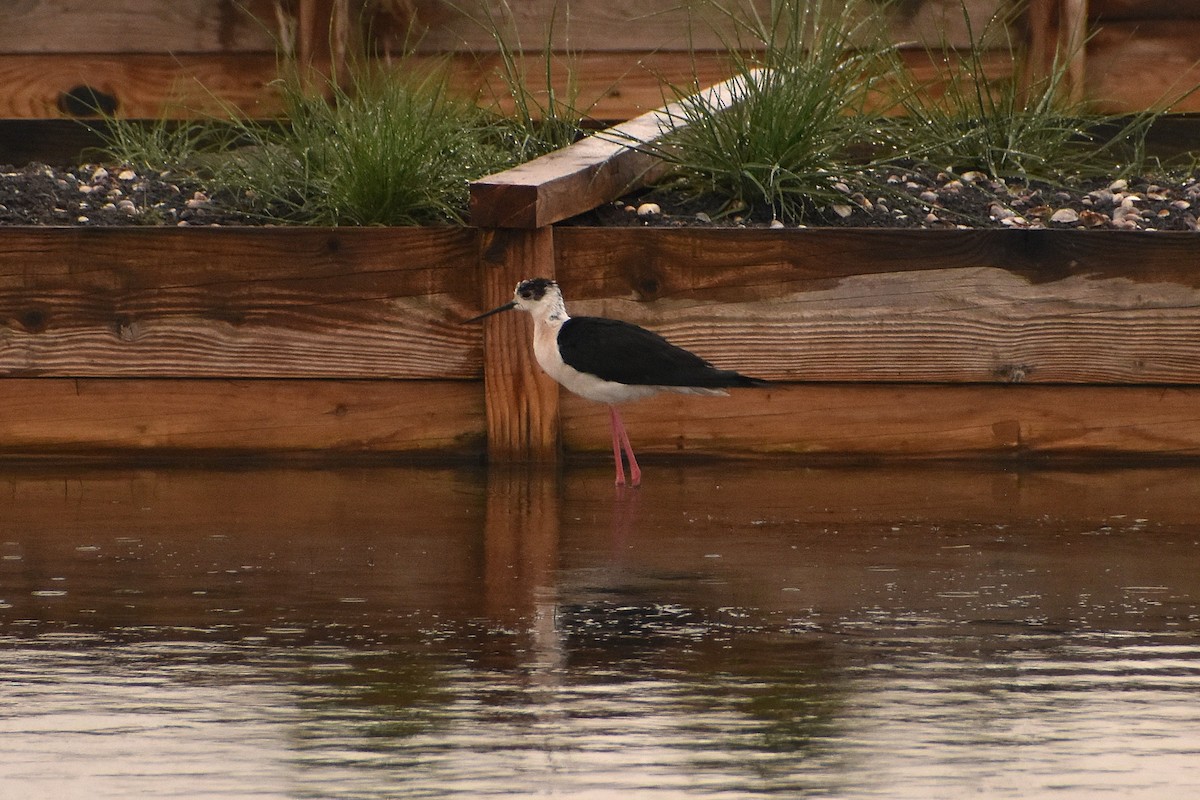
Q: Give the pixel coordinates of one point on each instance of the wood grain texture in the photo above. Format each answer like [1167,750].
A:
[229,302]
[904,421]
[647,25]
[966,306]
[589,173]
[1109,10]
[522,402]
[612,86]
[1143,64]
[137,26]
[145,86]
[57,417]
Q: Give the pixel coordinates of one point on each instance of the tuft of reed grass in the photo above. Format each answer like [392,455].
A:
[378,151]
[1021,125]
[542,119]
[390,144]
[798,113]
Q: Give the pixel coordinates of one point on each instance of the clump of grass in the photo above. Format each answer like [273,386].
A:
[542,118]
[380,151]
[162,145]
[389,145]
[797,113]
[1018,125]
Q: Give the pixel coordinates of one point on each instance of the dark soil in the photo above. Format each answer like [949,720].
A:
[95,196]
[932,200]
[91,195]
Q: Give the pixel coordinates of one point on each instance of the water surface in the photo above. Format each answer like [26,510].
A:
[726,631]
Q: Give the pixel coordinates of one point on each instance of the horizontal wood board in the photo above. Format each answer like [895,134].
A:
[904,421]
[1143,64]
[105,417]
[142,86]
[138,26]
[611,86]
[239,302]
[877,305]
[647,25]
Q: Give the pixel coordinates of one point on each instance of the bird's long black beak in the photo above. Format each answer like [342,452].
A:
[511,304]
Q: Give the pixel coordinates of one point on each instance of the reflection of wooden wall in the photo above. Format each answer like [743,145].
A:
[150,58]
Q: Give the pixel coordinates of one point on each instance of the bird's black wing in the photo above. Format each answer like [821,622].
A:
[625,353]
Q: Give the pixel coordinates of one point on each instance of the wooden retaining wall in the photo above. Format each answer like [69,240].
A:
[318,341]
[144,58]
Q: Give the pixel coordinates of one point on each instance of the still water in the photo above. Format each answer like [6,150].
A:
[726,631]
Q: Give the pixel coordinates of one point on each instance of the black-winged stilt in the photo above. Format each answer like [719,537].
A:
[610,361]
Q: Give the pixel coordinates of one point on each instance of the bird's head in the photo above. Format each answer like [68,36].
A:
[535,295]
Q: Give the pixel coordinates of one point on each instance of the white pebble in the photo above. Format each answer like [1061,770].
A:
[1065,215]
[649,210]
[100,174]
[126,175]
[776,223]
[842,211]
[1118,185]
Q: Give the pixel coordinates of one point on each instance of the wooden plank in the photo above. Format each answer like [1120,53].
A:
[238,302]
[904,421]
[108,418]
[144,86]
[645,25]
[1057,35]
[1111,10]
[611,86]
[138,26]
[580,177]
[522,401]
[1144,64]
[859,305]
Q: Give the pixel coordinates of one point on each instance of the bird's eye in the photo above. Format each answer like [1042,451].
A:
[527,294]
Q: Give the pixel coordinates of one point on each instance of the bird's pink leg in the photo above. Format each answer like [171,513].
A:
[635,472]
[614,423]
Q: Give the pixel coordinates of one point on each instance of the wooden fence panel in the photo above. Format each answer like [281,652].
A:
[256,302]
[977,306]
[138,26]
[642,25]
[104,418]
[905,421]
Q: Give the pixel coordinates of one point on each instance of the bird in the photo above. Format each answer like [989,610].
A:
[611,361]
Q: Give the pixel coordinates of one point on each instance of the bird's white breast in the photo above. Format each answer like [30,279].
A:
[590,387]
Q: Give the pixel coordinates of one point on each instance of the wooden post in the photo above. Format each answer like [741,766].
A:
[1058,30]
[516,210]
[521,401]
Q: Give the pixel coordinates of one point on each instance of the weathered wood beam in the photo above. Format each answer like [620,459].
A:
[139,417]
[522,402]
[238,302]
[905,421]
[590,172]
[877,305]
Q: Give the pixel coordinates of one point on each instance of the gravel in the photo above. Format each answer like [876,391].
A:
[95,195]
[929,200]
[92,195]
